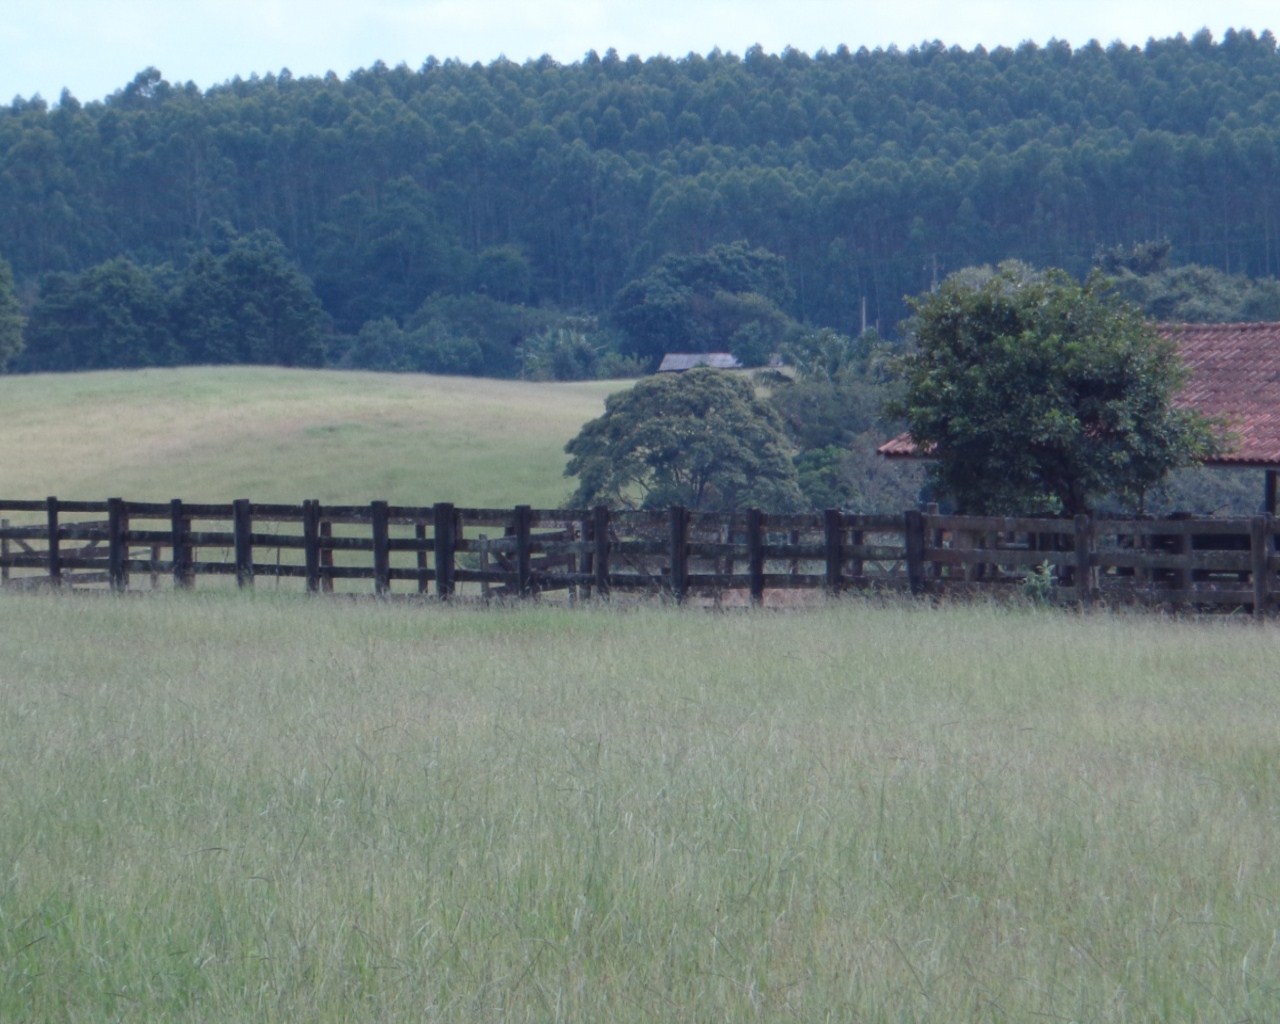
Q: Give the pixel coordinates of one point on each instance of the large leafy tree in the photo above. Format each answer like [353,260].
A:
[1035,393]
[112,315]
[701,439]
[249,304]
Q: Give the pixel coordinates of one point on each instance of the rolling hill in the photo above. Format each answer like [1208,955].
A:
[269,434]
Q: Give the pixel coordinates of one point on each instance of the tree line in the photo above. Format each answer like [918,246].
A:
[573,219]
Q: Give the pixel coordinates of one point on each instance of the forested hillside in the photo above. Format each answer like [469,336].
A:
[445,215]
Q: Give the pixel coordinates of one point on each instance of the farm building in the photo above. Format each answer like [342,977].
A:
[678,362]
[1234,375]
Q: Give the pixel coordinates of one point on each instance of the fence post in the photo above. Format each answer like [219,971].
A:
[380,524]
[242,525]
[679,552]
[1260,563]
[117,545]
[311,543]
[600,556]
[326,554]
[4,553]
[445,544]
[833,542]
[420,535]
[913,539]
[55,556]
[583,563]
[857,566]
[1084,560]
[522,520]
[485,567]
[180,524]
[755,554]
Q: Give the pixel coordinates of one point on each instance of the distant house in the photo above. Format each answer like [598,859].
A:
[1234,375]
[678,362]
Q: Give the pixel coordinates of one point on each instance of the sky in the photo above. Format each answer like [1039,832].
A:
[95,47]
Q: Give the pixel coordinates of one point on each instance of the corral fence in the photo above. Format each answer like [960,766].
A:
[468,553]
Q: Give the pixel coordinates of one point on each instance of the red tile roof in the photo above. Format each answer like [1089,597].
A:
[1235,374]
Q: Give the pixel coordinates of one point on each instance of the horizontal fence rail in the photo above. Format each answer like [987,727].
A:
[447,552]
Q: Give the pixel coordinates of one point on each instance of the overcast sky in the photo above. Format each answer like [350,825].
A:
[94,47]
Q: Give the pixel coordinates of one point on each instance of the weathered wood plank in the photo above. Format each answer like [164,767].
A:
[180,542]
[755,554]
[1259,550]
[242,526]
[311,544]
[98,508]
[27,505]
[54,559]
[833,550]
[1083,560]
[380,528]
[1207,561]
[118,526]
[1171,527]
[447,532]
[331,543]
[29,561]
[993,556]
[279,513]
[286,541]
[420,544]
[678,560]
[423,575]
[11,532]
[1002,524]
[601,547]
[915,550]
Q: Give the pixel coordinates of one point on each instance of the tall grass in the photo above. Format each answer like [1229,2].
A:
[226,807]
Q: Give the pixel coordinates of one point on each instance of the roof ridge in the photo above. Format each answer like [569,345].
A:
[1236,326]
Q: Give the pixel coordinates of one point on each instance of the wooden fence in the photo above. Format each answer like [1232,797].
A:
[452,552]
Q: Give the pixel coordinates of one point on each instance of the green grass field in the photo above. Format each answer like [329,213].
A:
[220,806]
[224,807]
[272,435]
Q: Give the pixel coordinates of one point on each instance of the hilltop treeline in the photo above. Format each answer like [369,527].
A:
[468,216]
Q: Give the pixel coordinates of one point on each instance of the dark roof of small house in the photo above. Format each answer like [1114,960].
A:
[901,447]
[676,362]
[1234,374]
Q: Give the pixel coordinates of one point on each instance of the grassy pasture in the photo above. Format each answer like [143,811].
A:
[273,435]
[253,807]
[223,806]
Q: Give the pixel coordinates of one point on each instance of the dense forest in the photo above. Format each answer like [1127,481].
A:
[576,219]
